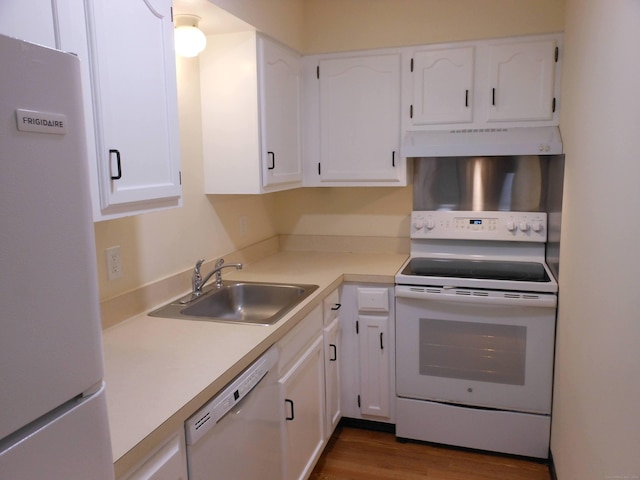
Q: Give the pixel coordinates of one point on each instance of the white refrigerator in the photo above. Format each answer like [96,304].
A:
[53,417]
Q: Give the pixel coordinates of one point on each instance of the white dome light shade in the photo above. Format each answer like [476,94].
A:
[189,40]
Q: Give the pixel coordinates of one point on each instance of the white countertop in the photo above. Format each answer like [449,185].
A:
[159,371]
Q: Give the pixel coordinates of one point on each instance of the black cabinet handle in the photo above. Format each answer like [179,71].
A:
[290,402]
[493,96]
[336,307]
[393,158]
[335,352]
[117,154]
[466,98]
[273,160]
[381,344]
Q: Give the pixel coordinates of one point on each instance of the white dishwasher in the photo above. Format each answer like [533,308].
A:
[237,435]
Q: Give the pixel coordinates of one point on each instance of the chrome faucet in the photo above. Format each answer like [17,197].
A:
[198,282]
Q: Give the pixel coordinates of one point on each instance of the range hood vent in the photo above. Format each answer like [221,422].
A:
[483,142]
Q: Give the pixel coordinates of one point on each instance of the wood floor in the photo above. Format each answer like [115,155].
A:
[355,453]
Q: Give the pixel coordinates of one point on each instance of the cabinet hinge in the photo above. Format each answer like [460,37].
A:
[412,65]
[318,72]
[358,401]
[557,54]
[319,169]
[553,105]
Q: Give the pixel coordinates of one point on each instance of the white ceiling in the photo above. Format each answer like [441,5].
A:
[213,19]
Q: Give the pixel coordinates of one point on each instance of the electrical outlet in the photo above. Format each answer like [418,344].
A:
[114,262]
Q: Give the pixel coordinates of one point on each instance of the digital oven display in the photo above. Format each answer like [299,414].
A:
[475,221]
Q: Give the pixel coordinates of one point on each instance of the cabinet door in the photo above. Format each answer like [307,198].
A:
[281,90]
[332,359]
[29,20]
[302,394]
[521,77]
[442,86]
[360,119]
[374,347]
[168,462]
[135,100]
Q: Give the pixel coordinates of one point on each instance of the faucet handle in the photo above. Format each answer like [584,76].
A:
[219,263]
[199,263]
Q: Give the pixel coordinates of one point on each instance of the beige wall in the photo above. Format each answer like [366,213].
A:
[596,419]
[376,212]
[335,25]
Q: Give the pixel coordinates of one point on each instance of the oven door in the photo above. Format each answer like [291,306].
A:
[475,347]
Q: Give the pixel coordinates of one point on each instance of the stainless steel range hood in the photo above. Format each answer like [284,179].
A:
[482,142]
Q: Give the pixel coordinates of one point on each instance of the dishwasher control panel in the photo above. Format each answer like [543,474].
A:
[206,418]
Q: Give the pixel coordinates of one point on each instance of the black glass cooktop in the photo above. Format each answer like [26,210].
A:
[481,269]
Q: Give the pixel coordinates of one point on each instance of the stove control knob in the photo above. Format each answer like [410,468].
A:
[418,223]
[511,226]
[536,225]
[524,226]
[430,224]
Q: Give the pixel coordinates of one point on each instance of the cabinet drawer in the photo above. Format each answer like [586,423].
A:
[373,299]
[331,306]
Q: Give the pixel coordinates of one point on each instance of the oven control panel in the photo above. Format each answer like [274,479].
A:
[464,225]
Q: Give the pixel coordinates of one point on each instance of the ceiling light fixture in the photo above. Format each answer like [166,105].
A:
[189,39]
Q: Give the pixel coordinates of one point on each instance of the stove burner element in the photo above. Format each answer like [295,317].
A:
[480,269]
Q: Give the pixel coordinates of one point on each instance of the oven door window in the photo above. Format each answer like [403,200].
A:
[473,351]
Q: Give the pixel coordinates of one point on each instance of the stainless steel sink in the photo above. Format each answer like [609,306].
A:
[240,302]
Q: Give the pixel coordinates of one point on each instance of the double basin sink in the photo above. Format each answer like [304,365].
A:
[252,303]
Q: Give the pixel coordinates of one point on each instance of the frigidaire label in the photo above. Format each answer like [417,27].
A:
[41,122]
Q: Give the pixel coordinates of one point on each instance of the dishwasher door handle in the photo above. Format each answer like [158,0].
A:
[293,415]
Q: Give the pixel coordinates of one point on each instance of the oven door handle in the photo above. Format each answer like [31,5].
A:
[510,299]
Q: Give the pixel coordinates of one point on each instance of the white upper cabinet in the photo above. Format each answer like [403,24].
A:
[280,72]
[500,83]
[250,91]
[353,120]
[442,86]
[521,76]
[129,93]
[39,23]
[133,81]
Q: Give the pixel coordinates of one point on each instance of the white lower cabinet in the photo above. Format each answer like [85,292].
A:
[373,352]
[302,393]
[167,462]
[368,346]
[332,359]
